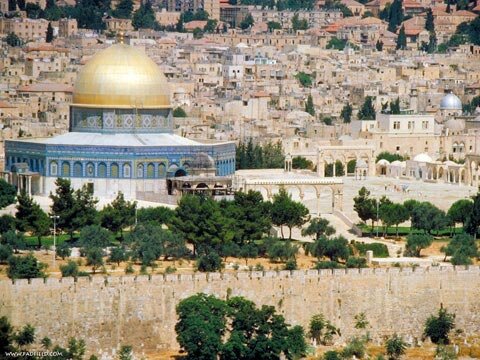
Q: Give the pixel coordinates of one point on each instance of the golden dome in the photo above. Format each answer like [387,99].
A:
[121,77]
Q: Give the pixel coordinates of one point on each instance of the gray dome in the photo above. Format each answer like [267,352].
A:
[450,102]
[203,161]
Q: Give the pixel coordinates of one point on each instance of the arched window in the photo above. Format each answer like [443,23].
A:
[150,171]
[53,168]
[127,170]
[90,170]
[102,170]
[77,169]
[162,170]
[140,171]
[114,170]
[66,169]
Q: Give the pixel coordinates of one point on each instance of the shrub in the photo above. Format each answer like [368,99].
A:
[438,327]
[395,347]
[259,267]
[69,269]
[331,355]
[63,250]
[170,269]
[379,250]
[356,262]
[356,347]
[210,262]
[129,269]
[327,265]
[27,267]
[291,265]
[5,252]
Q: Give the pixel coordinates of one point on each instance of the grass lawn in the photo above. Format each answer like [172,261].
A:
[32,241]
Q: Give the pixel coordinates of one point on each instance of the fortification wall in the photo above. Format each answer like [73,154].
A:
[140,311]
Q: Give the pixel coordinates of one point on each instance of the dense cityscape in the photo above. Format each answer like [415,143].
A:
[239,179]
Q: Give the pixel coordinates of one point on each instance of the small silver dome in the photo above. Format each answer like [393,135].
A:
[450,102]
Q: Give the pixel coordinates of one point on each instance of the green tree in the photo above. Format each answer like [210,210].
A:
[395,347]
[432,43]
[318,227]
[298,24]
[94,236]
[249,216]
[125,353]
[461,248]
[304,79]
[336,43]
[197,33]
[63,250]
[209,262]
[346,113]
[7,222]
[286,212]
[427,217]
[63,205]
[179,112]
[364,206]
[299,162]
[281,250]
[429,21]
[379,45]
[34,11]
[389,157]
[417,242]
[395,107]
[5,252]
[211,26]
[309,107]
[69,269]
[473,219]
[117,255]
[13,40]
[333,248]
[144,17]
[94,257]
[124,9]
[7,194]
[159,215]
[85,212]
[273,25]
[201,326]
[25,267]
[438,327]
[30,217]
[459,211]
[401,39]
[367,111]
[198,219]
[247,22]
[393,214]
[118,215]
[16,241]
[49,35]
[395,15]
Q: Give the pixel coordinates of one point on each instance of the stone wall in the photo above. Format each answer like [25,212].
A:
[140,311]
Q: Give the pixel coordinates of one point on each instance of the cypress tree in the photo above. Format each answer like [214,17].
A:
[429,23]
[395,17]
[49,36]
[367,112]
[309,108]
[402,39]
[432,43]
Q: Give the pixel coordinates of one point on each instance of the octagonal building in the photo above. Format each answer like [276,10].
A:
[121,135]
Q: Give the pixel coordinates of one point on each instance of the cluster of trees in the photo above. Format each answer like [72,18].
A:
[235,329]
[470,107]
[391,107]
[389,157]
[280,5]
[431,46]
[306,80]
[267,156]
[427,218]
[298,24]
[213,229]
[346,113]
[336,43]
[367,111]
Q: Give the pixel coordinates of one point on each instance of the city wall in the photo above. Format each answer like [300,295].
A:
[140,311]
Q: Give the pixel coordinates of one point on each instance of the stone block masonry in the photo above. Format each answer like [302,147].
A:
[140,311]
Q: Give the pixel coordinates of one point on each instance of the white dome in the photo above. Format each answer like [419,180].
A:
[423,157]
[396,163]
[383,162]
[450,163]
[450,102]
[361,164]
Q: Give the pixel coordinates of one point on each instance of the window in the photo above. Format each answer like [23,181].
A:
[140,171]
[102,170]
[396,125]
[90,170]
[77,169]
[53,168]
[114,170]
[150,171]
[126,170]
[66,169]
[410,125]
[424,125]
[398,148]
[161,170]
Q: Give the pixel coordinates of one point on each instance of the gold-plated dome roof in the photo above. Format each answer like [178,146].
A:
[121,77]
